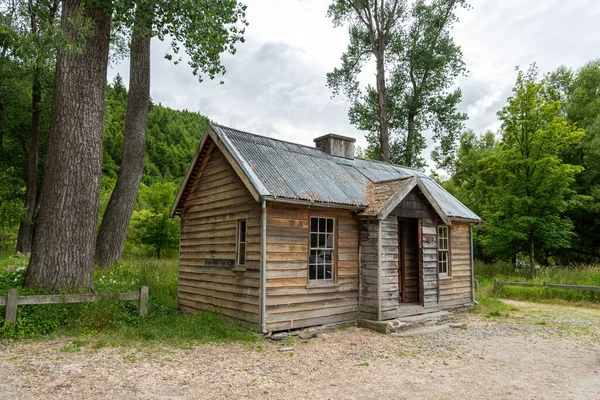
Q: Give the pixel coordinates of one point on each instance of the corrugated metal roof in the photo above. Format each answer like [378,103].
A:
[292,171]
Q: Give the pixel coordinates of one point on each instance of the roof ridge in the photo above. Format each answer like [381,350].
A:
[272,138]
[315,148]
[395,179]
[390,164]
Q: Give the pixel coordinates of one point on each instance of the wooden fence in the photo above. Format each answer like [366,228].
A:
[13,300]
[498,283]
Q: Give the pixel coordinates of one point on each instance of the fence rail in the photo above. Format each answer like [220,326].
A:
[13,300]
[498,283]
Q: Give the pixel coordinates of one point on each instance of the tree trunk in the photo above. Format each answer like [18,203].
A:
[384,140]
[26,228]
[531,254]
[63,248]
[115,223]
[410,138]
[1,131]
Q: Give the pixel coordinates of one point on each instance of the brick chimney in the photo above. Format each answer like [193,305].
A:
[336,145]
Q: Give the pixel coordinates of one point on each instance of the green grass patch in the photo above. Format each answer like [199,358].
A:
[581,275]
[113,322]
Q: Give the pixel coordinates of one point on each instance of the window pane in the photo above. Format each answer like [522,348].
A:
[328,257]
[330,240]
[314,224]
[320,272]
[314,240]
[321,240]
[328,271]
[322,223]
[329,225]
[313,257]
[242,255]
[242,231]
[312,272]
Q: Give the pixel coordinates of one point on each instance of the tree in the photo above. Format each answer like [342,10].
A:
[64,243]
[423,62]
[204,40]
[37,48]
[373,29]
[530,186]
[152,225]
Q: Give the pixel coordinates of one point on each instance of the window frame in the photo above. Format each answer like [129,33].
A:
[448,270]
[333,249]
[239,243]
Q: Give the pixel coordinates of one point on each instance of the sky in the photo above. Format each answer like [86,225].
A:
[275,83]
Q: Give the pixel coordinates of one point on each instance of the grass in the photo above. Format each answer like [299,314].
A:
[584,275]
[113,322]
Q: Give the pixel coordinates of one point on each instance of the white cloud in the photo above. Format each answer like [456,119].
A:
[275,83]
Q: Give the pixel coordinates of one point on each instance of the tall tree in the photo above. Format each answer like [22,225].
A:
[64,244]
[204,41]
[373,26]
[115,222]
[39,45]
[579,92]
[423,63]
[530,185]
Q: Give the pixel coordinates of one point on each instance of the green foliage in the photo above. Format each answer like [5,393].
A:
[151,224]
[172,138]
[521,185]
[114,322]
[580,94]
[202,29]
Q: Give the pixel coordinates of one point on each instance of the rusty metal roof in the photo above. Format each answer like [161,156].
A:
[279,169]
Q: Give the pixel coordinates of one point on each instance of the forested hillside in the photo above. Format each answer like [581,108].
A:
[172,138]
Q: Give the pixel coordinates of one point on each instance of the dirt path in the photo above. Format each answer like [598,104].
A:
[537,352]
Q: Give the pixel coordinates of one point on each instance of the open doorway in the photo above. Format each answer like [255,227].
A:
[408,261]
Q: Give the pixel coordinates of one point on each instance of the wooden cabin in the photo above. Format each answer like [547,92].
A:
[287,236]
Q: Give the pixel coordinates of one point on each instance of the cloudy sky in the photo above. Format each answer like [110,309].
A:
[275,83]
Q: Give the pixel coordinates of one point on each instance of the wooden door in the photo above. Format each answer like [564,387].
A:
[409,284]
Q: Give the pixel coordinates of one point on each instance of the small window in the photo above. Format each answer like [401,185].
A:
[320,263]
[241,243]
[443,254]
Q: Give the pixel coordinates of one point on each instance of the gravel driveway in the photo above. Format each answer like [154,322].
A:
[538,352]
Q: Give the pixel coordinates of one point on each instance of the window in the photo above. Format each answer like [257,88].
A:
[443,256]
[320,263]
[241,242]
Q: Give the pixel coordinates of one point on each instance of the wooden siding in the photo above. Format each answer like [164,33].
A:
[429,263]
[389,266]
[414,205]
[217,200]
[369,268]
[456,289]
[289,294]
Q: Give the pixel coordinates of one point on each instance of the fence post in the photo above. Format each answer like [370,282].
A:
[11,306]
[144,301]
[495,283]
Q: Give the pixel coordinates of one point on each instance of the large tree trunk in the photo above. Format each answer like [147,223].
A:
[26,228]
[410,139]
[115,222]
[384,140]
[64,244]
